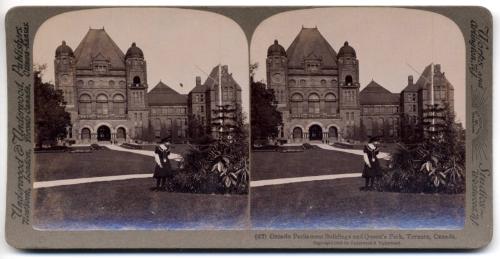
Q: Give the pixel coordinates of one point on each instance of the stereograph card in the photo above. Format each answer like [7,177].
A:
[249,127]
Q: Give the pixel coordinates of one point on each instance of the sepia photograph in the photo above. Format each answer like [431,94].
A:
[357,120]
[141,121]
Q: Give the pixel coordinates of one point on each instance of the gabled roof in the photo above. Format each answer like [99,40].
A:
[98,43]
[226,78]
[424,79]
[309,42]
[163,95]
[199,89]
[374,93]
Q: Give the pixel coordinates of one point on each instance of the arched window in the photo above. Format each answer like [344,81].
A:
[121,133]
[291,83]
[302,82]
[296,104]
[119,104]
[111,83]
[85,104]
[381,126]
[313,103]
[102,105]
[348,80]
[136,81]
[390,123]
[85,135]
[330,103]
[297,133]
[323,82]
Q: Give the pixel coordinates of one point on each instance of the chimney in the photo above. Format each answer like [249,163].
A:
[410,80]
[198,80]
[224,69]
[437,68]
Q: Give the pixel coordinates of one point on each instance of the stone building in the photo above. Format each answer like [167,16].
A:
[317,90]
[106,94]
[168,112]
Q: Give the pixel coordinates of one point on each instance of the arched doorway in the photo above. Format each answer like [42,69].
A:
[315,133]
[297,134]
[85,135]
[121,134]
[103,133]
[332,132]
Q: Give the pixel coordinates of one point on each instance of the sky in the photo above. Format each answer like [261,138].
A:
[178,44]
[390,43]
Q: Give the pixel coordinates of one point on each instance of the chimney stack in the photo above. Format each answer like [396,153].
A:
[437,68]
[410,80]
[198,80]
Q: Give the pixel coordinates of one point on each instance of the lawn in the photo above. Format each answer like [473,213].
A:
[130,204]
[339,204]
[65,165]
[270,165]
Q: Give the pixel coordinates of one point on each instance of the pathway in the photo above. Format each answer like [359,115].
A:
[381,155]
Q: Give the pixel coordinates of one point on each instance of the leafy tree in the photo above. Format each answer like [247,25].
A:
[51,119]
[265,117]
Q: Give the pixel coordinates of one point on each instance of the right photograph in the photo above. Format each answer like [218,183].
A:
[358,119]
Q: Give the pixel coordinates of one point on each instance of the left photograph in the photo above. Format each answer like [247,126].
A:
[141,121]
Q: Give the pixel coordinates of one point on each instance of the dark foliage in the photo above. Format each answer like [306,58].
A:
[51,119]
[265,118]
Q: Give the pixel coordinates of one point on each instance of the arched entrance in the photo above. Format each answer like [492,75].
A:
[315,133]
[333,133]
[297,134]
[121,133]
[103,133]
[85,135]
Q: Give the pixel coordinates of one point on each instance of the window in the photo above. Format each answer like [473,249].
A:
[201,98]
[202,108]
[111,83]
[302,82]
[119,105]
[85,104]
[136,81]
[102,104]
[330,103]
[348,80]
[323,82]
[296,104]
[313,103]
[291,83]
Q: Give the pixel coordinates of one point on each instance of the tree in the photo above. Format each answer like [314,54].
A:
[265,117]
[51,118]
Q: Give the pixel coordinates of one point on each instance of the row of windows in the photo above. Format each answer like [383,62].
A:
[177,127]
[199,108]
[111,83]
[379,126]
[199,98]
[303,83]
[297,97]
[102,108]
[313,107]
[389,109]
[168,110]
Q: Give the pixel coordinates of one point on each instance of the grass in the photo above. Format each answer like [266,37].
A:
[270,165]
[130,204]
[57,166]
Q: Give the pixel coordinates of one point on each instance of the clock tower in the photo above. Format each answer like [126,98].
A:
[277,73]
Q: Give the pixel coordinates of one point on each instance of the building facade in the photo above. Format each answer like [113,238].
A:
[106,94]
[317,90]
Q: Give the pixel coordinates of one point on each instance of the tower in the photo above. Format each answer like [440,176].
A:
[64,69]
[349,87]
[137,86]
[277,73]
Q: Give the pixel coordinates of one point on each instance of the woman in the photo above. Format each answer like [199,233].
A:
[162,167]
[372,168]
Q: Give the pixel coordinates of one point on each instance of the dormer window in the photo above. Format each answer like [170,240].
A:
[312,65]
[100,68]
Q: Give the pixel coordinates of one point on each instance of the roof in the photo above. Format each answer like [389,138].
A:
[98,43]
[374,93]
[163,95]
[226,78]
[309,42]
[347,51]
[424,79]
[64,49]
[276,49]
[134,52]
